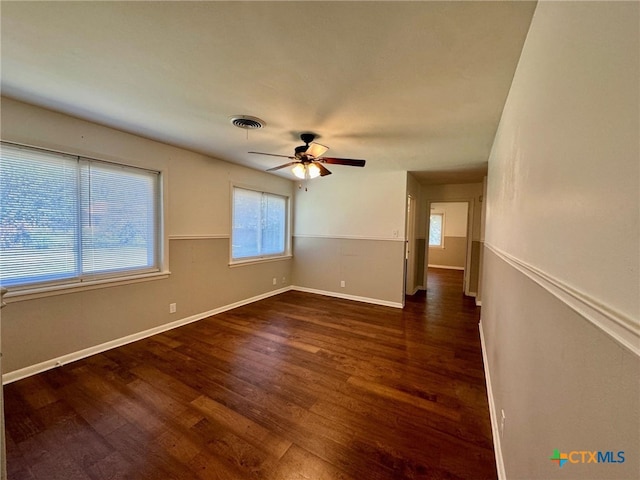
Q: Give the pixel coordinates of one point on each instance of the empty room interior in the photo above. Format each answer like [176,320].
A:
[320,240]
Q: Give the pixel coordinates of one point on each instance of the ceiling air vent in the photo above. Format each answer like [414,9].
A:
[247,122]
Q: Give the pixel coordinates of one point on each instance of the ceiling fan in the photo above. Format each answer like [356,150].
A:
[308,161]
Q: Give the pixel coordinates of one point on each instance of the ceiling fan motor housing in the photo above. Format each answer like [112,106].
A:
[301,150]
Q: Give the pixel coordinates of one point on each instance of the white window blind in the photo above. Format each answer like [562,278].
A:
[67,219]
[259,224]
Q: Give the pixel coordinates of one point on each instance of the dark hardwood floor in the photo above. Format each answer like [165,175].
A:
[298,386]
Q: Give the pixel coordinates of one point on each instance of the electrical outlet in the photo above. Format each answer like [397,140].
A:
[502,419]
[284,280]
[342,283]
[275,282]
[172,308]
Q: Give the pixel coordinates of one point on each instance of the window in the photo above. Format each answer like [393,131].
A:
[436,223]
[68,219]
[259,225]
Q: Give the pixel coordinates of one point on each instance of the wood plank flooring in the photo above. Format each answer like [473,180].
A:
[297,386]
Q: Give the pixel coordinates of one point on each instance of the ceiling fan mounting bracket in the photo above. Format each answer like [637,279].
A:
[307,137]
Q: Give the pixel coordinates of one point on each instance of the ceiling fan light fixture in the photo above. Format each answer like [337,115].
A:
[305,171]
[314,170]
[299,171]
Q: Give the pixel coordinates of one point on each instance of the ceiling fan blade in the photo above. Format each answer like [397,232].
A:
[281,166]
[316,150]
[323,170]
[273,155]
[343,161]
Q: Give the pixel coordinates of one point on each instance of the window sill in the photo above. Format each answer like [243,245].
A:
[253,261]
[52,290]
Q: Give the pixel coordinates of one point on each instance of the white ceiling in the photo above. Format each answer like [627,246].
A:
[416,86]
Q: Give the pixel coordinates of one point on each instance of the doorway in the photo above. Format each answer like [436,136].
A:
[449,234]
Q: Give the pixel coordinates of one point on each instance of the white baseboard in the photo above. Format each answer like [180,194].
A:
[87,352]
[446,267]
[478,302]
[495,425]
[345,296]
[416,290]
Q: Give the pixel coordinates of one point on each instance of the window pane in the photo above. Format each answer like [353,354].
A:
[38,216]
[273,230]
[259,224]
[118,218]
[246,223]
[435,230]
[63,219]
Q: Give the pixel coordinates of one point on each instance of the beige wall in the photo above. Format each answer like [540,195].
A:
[560,299]
[351,226]
[370,268]
[457,192]
[452,254]
[354,203]
[198,224]
[561,382]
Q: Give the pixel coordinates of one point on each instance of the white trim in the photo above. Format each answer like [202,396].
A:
[495,429]
[254,260]
[350,237]
[20,295]
[345,296]
[446,267]
[72,357]
[616,324]
[200,237]
[416,289]
[478,302]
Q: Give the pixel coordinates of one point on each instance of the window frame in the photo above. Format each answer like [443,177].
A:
[92,280]
[286,255]
[441,244]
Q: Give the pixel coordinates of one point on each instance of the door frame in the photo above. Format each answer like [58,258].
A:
[467,262]
[410,287]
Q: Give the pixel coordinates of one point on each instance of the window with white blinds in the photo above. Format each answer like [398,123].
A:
[68,219]
[259,224]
